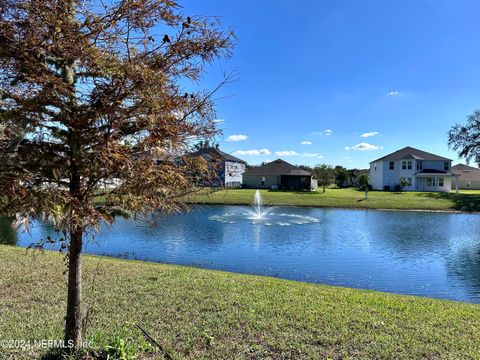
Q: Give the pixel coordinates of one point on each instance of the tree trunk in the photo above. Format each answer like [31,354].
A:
[73,323]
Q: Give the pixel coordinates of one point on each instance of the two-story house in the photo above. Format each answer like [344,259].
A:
[225,170]
[421,170]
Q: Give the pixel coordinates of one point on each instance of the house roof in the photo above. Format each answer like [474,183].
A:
[411,153]
[467,173]
[211,154]
[277,167]
[463,167]
[432,171]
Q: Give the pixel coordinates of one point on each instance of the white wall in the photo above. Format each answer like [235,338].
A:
[407,173]
[383,176]
[447,184]
[386,177]
[233,173]
[391,177]
[376,175]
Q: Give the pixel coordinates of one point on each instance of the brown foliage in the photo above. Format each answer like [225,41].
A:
[91,97]
[96,102]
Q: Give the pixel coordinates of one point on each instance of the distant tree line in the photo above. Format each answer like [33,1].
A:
[338,175]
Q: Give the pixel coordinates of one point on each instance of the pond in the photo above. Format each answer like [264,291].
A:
[418,253]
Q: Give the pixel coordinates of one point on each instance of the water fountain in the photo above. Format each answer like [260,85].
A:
[262,215]
[258,211]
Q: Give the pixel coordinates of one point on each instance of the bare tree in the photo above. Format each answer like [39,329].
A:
[91,97]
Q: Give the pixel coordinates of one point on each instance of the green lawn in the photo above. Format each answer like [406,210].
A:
[208,314]
[349,198]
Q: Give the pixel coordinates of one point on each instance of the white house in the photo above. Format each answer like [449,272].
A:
[423,171]
[228,169]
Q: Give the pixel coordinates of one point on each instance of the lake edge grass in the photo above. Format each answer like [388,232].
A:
[199,313]
[348,198]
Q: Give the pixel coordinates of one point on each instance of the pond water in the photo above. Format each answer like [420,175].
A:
[418,253]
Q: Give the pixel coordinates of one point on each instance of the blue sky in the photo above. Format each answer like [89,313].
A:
[324,73]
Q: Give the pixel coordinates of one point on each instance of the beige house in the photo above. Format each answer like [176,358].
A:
[278,174]
[468,177]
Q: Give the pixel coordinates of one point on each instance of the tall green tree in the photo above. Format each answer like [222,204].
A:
[362,181]
[352,176]
[325,175]
[465,138]
[98,93]
[341,176]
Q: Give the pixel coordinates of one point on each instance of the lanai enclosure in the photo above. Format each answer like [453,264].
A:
[423,171]
[278,175]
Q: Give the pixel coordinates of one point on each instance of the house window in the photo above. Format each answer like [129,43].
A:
[430,182]
[409,165]
[409,181]
[263,181]
[404,165]
[419,165]
[375,166]
[446,166]
[469,184]
[391,165]
[440,182]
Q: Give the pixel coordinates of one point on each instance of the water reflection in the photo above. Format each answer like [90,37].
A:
[427,254]
[464,266]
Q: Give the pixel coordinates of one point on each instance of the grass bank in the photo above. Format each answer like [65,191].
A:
[349,198]
[208,314]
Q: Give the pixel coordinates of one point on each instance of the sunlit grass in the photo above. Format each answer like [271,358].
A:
[209,314]
[466,200]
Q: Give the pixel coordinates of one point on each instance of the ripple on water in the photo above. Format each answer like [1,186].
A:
[268,219]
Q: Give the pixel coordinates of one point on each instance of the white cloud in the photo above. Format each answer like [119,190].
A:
[305,142]
[309,155]
[219,121]
[237,138]
[326,132]
[286,153]
[393,93]
[320,157]
[369,134]
[254,152]
[364,147]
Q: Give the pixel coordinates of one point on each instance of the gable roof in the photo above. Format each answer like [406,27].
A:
[463,167]
[411,153]
[211,154]
[277,167]
[466,173]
